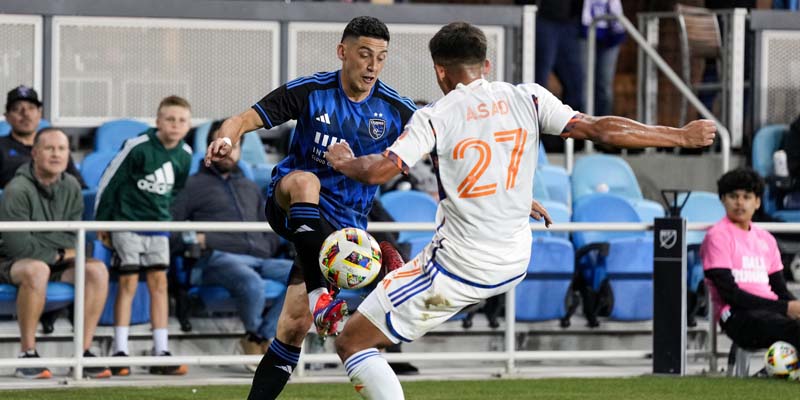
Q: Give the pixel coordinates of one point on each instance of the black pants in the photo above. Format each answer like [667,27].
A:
[760,329]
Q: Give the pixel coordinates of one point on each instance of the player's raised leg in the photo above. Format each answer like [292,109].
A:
[298,194]
[371,375]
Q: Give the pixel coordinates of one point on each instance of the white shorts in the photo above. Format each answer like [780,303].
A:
[414,299]
[135,251]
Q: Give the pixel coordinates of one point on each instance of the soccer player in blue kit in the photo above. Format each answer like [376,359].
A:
[307,199]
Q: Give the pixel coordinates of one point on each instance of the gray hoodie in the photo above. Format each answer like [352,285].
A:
[25,199]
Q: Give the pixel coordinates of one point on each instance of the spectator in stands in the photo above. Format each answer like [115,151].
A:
[744,271]
[560,50]
[41,191]
[237,261]
[139,185]
[23,114]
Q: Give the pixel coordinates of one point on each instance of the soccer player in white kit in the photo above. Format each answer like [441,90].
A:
[483,137]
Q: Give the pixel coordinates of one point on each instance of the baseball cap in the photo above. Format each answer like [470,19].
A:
[22,92]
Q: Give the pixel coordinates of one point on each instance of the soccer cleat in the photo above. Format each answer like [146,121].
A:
[327,314]
[168,369]
[32,372]
[120,371]
[392,259]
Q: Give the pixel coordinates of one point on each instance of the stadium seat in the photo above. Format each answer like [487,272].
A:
[93,166]
[766,141]
[602,173]
[700,207]
[110,135]
[252,153]
[5,128]
[613,269]
[557,182]
[213,298]
[540,191]
[411,206]
[140,309]
[543,293]
[59,295]
[558,213]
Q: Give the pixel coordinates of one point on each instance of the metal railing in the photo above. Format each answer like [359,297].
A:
[650,51]
[510,355]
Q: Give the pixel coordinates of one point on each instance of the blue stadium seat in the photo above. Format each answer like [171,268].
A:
[110,135]
[592,171]
[611,174]
[615,267]
[5,128]
[540,191]
[557,182]
[89,196]
[541,295]
[93,166]
[411,206]
[140,309]
[218,299]
[700,207]
[213,297]
[558,213]
[59,295]
[766,141]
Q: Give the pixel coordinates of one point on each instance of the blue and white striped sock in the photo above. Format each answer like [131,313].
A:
[372,377]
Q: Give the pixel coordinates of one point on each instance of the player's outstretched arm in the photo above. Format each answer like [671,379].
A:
[624,132]
[372,169]
[233,128]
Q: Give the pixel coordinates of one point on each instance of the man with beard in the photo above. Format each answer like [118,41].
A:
[237,261]
[24,114]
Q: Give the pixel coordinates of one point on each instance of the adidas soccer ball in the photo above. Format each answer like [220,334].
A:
[350,258]
[781,359]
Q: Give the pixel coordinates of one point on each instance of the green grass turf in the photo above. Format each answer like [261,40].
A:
[650,388]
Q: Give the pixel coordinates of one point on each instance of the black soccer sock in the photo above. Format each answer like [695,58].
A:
[306,226]
[274,371]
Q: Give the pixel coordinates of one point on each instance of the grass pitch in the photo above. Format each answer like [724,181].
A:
[650,388]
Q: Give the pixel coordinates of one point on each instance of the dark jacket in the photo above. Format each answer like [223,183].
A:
[24,199]
[208,196]
[13,154]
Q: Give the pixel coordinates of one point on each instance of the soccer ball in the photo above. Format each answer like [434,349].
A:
[350,258]
[781,359]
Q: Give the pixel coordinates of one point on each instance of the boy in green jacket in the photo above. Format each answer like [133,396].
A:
[42,191]
[139,185]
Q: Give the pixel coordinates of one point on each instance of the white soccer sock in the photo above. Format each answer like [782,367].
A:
[314,296]
[160,340]
[121,339]
[372,376]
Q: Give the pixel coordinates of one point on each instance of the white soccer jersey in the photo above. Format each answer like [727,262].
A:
[485,139]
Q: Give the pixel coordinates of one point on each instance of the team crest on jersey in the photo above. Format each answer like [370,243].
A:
[377,127]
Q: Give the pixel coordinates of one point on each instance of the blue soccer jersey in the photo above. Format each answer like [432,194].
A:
[325,115]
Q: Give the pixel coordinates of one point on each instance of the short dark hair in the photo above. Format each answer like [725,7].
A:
[42,131]
[366,26]
[212,131]
[458,43]
[740,179]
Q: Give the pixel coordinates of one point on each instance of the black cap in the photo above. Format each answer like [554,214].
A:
[22,92]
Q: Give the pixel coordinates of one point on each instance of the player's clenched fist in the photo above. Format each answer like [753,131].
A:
[337,153]
[218,150]
[699,133]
